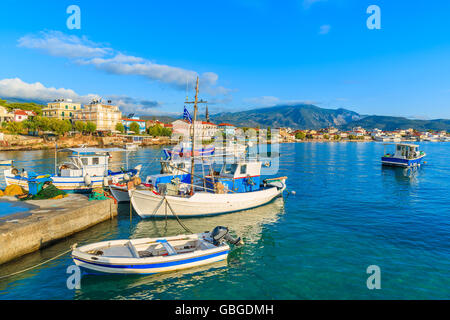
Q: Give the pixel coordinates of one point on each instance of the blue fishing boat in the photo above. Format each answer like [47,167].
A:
[406,155]
[184,150]
[85,169]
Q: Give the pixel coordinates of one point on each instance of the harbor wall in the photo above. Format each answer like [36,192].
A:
[44,225]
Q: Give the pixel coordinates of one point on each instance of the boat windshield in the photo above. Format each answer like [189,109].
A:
[230,168]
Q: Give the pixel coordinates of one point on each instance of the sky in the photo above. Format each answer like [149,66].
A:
[146,55]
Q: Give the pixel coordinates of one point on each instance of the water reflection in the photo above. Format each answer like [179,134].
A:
[402,175]
[146,286]
[246,224]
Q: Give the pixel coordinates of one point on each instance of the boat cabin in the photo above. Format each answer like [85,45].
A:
[243,176]
[85,161]
[405,151]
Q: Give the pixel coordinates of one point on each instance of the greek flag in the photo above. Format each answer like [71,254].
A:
[186,115]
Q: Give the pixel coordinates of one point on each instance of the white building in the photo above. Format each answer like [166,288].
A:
[105,116]
[5,116]
[203,129]
[22,115]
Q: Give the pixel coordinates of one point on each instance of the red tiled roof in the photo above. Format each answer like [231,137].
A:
[20,112]
[204,122]
[225,124]
[133,120]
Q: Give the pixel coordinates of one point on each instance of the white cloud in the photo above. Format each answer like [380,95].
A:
[271,101]
[324,29]
[16,88]
[57,43]
[263,101]
[85,52]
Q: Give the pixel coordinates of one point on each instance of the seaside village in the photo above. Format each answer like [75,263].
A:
[85,188]
[64,118]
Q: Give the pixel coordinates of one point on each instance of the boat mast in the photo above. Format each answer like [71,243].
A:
[195,102]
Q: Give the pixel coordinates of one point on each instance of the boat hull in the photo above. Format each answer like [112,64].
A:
[396,162]
[68,184]
[84,258]
[133,268]
[120,193]
[148,204]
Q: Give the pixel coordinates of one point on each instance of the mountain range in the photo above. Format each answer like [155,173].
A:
[298,116]
[307,116]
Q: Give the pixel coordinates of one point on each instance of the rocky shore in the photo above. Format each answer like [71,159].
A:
[25,143]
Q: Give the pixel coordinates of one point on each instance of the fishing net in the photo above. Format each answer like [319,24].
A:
[49,191]
[14,190]
[98,194]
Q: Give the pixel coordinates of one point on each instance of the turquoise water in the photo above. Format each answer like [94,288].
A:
[348,213]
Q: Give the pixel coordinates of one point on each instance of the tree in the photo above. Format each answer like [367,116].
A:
[42,123]
[15,127]
[30,125]
[60,127]
[337,137]
[300,135]
[326,137]
[80,126]
[135,128]
[159,131]
[120,127]
[91,127]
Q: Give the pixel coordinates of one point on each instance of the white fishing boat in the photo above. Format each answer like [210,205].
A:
[131,146]
[6,163]
[155,255]
[85,169]
[184,150]
[237,186]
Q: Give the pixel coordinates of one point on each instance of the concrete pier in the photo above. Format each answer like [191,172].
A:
[44,221]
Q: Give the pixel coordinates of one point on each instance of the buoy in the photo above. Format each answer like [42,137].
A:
[87,180]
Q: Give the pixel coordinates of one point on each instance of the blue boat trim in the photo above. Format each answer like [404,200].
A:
[156,265]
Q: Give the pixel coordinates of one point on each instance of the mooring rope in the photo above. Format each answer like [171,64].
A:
[178,219]
[35,266]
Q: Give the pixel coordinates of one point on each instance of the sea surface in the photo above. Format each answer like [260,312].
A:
[348,213]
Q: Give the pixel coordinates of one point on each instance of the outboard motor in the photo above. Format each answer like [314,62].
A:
[221,234]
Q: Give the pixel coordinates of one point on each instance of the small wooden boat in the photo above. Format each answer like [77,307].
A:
[155,255]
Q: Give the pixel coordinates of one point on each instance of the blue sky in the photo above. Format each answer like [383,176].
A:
[247,53]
